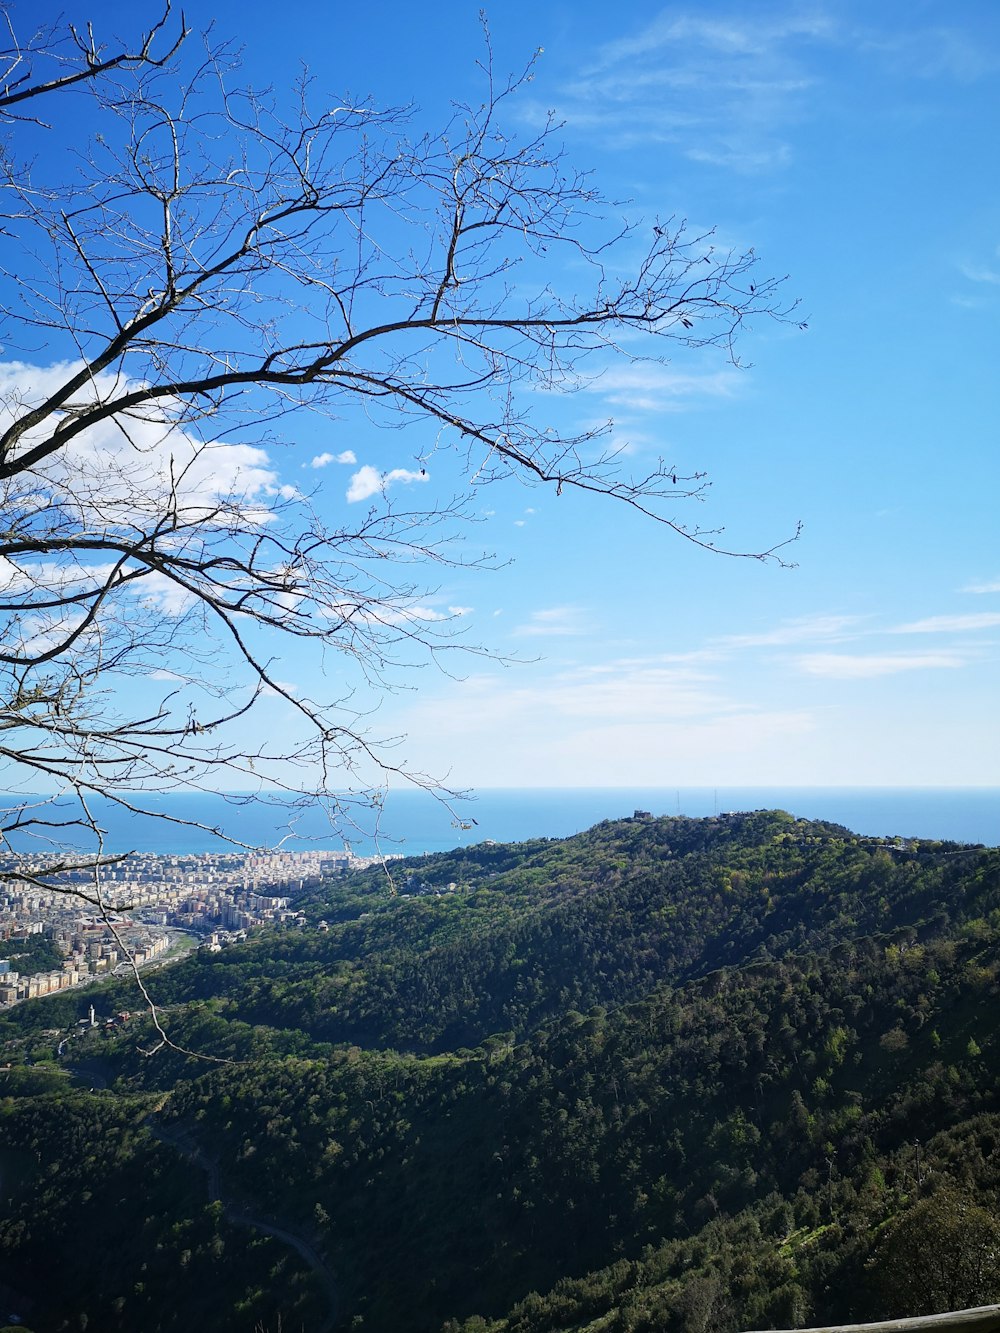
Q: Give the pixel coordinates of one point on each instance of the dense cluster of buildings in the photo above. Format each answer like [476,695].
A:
[90,951]
[124,915]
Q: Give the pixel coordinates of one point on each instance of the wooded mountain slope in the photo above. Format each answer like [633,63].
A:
[698,1074]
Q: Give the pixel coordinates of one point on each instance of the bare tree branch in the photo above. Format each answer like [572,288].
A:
[214,270]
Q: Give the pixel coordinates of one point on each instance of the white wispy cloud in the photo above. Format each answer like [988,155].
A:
[419,613]
[368,481]
[641,692]
[637,691]
[645,388]
[980,273]
[805,629]
[324,460]
[754,35]
[409,616]
[626,721]
[553,621]
[991,585]
[862,666]
[627,440]
[720,89]
[950,624]
[932,51]
[730,89]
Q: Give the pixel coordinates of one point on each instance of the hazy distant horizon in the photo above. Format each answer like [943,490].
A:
[414,822]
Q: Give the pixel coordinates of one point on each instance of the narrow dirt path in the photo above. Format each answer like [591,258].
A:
[182,1140]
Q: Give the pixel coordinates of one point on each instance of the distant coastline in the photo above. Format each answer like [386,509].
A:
[414,823]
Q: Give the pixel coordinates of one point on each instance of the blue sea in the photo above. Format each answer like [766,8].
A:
[413,822]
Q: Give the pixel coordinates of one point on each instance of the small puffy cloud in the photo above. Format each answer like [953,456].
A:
[280,689]
[950,624]
[34,580]
[324,460]
[32,635]
[164,595]
[127,468]
[861,666]
[368,481]
[47,578]
[460,610]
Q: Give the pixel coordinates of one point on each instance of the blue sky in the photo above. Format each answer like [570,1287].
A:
[855,147]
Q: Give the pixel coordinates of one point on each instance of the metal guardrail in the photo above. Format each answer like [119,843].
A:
[983,1319]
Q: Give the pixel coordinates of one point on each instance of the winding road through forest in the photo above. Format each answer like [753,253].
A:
[182,1140]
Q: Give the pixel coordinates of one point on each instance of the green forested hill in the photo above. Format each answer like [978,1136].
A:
[666,1074]
[596,919]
